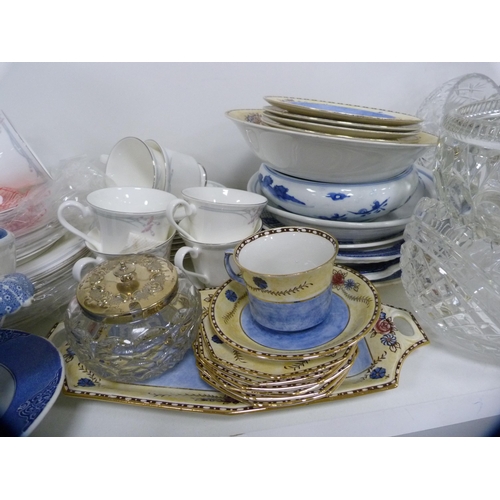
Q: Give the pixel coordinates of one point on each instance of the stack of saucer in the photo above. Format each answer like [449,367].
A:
[268,368]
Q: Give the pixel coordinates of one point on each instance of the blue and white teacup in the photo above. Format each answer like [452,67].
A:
[287,273]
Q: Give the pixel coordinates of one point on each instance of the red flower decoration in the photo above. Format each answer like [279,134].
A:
[338,278]
[384,326]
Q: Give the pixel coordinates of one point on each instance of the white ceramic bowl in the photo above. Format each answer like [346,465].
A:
[353,232]
[328,158]
[354,202]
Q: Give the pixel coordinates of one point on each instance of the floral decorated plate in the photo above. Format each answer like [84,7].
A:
[276,399]
[254,386]
[31,378]
[355,308]
[348,112]
[264,371]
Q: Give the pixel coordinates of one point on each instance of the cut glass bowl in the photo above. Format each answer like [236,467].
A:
[451,274]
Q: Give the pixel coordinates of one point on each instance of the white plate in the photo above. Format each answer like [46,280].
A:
[351,232]
[56,257]
[349,112]
[31,378]
[372,244]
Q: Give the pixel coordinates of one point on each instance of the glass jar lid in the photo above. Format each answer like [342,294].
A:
[477,123]
[127,288]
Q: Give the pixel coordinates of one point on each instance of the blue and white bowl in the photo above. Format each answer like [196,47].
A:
[348,202]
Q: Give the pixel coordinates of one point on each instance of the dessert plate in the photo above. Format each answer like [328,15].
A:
[348,112]
[277,399]
[31,378]
[255,386]
[355,308]
[268,372]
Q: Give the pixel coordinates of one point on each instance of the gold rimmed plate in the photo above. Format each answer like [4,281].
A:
[265,372]
[247,390]
[274,111]
[247,383]
[347,112]
[355,308]
[276,400]
[343,134]
[333,129]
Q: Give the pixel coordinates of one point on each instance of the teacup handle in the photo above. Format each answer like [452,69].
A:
[81,264]
[189,208]
[229,268]
[86,212]
[179,261]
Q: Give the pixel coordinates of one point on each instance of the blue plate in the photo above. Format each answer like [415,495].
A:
[31,378]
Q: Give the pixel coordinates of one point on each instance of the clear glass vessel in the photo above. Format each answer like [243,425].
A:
[451,274]
[467,169]
[133,318]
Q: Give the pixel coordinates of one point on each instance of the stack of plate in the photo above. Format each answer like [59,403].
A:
[267,368]
[346,120]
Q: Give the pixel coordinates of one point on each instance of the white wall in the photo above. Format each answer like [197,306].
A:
[69,109]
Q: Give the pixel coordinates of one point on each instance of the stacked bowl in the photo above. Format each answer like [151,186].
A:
[345,169]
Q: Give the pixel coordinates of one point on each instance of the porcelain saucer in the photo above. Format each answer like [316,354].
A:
[31,378]
[355,308]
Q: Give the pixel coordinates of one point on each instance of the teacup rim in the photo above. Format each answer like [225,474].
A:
[286,229]
[260,200]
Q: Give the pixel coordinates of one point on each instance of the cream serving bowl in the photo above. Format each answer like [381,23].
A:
[328,158]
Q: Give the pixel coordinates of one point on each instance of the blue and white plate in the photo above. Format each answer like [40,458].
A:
[31,378]
[370,256]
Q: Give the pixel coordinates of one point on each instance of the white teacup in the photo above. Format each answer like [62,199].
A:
[207,260]
[19,166]
[216,215]
[183,172]
[135,163]
[85,264]
[127,217]
[287,273]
